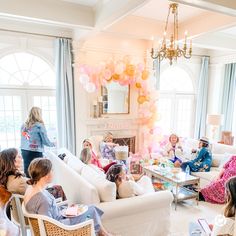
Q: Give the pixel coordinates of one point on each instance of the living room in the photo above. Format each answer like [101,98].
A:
[65,56]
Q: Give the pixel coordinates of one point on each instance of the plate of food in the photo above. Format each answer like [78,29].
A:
[74,210]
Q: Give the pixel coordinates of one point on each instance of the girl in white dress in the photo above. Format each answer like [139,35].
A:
[126,186]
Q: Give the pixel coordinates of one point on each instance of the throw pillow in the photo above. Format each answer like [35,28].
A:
[105,188]
[217,159]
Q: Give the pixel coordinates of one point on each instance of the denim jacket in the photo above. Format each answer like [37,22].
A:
[34,138]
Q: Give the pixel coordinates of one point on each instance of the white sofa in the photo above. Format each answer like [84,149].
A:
[220,155]
[146,215]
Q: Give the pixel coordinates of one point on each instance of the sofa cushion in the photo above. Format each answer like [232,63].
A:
[211,175]
[222,148]
[105,188]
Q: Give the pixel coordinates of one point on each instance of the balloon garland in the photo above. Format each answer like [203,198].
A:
[125,72]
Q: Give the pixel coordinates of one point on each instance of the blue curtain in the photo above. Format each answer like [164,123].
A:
[202,93]
[227,105]
[65,95]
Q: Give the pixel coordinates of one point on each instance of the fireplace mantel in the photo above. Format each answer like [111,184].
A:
[120,127]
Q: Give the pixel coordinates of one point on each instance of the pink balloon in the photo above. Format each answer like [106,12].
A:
[140,67]
[90,87]
[84,78]
[107,74]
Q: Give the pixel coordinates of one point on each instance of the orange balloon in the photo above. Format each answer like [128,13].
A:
[138,85]
[115,76]
[130,70]
[142,99]
[145,75]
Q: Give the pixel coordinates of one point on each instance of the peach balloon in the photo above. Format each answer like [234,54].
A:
[141,99]
[145,75]
[115,77]
[130,70]
[138,85]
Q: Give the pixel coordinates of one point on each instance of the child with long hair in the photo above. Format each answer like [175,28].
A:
[126,186]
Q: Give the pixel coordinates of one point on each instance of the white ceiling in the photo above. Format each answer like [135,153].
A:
[230,31]
[138,19]
[158,9]
[90,3]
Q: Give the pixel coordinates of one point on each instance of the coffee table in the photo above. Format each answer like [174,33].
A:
[178,182]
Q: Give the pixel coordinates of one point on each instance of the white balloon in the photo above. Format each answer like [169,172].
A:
[84,78]
[90,87]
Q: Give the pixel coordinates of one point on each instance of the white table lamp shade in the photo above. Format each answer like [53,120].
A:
[214,120]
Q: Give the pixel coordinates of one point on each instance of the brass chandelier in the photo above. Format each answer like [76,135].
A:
[170,49]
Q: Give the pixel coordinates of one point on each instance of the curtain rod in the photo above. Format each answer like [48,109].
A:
[35,34]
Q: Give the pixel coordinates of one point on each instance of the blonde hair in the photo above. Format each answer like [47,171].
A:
[107,135]
[35,115]
[86,155]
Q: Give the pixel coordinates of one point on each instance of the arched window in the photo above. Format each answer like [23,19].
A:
[26,81]
[176,104]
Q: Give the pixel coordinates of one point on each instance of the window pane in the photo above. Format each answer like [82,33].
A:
[175,78]
[10,121]
[184,116]
[25,69]
[164,109]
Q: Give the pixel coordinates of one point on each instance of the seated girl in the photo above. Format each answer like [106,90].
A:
[107,147]
[95,159]
[203,160]
[13,179]
[10,175]
[39,201]
[174,150]
[215,191]
[86,157]
[126,186]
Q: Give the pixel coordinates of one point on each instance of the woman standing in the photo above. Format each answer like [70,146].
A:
[33,137]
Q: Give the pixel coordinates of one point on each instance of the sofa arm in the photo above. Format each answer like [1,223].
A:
[146,215]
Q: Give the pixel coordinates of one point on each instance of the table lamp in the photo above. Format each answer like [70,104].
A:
[215,122]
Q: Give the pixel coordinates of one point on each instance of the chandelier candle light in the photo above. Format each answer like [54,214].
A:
[171,50]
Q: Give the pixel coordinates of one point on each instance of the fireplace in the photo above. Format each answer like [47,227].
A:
[126,141]
[125,132]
